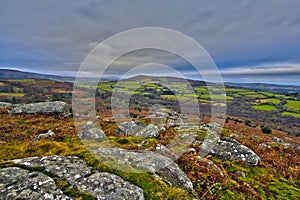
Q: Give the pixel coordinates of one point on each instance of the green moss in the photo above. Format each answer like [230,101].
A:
[229,195]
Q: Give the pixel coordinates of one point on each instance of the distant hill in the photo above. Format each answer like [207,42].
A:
[283,89]
[6,74]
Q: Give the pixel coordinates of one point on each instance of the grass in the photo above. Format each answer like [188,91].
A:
[291,114]
[6,94]
[264,107]
[215,97]
[2,84]
[271,100]
[293,104]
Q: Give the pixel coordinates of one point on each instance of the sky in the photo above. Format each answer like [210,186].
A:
[249,40]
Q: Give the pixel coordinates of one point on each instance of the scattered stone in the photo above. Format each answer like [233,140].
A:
[230,149]
[148,161]
[263,145]
[47,135]
[191,150]
[162,129]
[287,138]
[276,139]
[57,108]
[138,129]
[292,146]
[90,132]
[16,183]
[255,137]
[75,171]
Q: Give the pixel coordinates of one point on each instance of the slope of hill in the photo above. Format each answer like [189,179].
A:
[15,74]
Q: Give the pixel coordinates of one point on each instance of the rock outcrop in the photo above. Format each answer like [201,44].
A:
[168,116]
[101,185]
[229,149]
[138,129]
[16,183]
[57,108]
[148,161]
[5,105]
[90,132]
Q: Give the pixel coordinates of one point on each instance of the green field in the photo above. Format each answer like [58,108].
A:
[293,104]
[264,107]
[271,100]
[215,97]
[3,94]
[2,84]
[291,114]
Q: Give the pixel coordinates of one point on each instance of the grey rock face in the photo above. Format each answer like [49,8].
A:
[137,128]
[57,108]
[149,161]
[5,105]
[148,131]
[16,183]
[129,128]
[90,132]
[171,117]
[230,149]
[45,135]
[75,171]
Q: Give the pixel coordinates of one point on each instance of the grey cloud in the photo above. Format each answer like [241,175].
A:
[56,35]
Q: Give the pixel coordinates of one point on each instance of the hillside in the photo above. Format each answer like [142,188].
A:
[257,154]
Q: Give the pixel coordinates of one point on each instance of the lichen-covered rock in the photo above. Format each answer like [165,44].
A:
[148,161]
[5,105]
[109,186]
[129,128]
[75,171]
[90,132]
[16,183]
[170,117]
[70,168]
[138,129]
[57,108]
[230,149]
[148,131]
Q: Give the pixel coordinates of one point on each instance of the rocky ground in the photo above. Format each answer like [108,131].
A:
[174,160]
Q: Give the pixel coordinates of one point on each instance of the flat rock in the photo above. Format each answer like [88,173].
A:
[148,161]
[57,108]
[229,149]
[75,171]
[138,129]
[16,183]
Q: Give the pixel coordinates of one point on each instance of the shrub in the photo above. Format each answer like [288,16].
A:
[266,129]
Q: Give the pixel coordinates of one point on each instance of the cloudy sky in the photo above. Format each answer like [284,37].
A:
[250,41]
